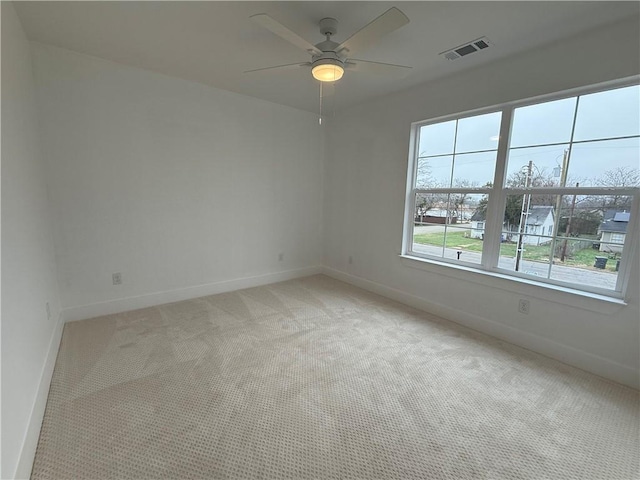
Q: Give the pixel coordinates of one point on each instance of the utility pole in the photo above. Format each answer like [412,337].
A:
[563,180]
[558,208]
[568,230]
[524,215]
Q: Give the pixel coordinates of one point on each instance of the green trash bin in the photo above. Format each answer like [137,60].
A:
[601,262]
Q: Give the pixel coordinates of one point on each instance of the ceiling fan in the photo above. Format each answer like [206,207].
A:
[330,59]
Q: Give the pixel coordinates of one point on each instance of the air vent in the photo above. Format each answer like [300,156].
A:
[467,49]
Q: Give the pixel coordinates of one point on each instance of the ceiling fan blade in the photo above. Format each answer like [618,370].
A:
[375,67]
[289,66]
[276,27]
[386,23]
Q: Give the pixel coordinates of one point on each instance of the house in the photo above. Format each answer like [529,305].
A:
[613,230]
[539,225]
[478,220]
[540,220]
[208,263]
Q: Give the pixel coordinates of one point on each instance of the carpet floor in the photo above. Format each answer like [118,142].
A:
[314,378]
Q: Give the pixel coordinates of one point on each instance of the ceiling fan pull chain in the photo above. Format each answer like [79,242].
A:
[320,118]
[333,102]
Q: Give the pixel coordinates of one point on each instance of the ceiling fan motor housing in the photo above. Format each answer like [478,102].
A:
[327,57]
[328,26]
[328,66]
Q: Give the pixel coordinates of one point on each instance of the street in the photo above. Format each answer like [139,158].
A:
[537,269]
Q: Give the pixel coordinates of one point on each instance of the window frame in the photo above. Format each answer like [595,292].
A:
[497,196]
[615,236]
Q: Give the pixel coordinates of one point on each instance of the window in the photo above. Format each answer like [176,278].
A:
[530,189]
[617,238]
[454,171]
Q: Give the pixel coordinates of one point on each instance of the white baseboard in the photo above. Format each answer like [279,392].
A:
[153,299]
[572,356]
[30,441]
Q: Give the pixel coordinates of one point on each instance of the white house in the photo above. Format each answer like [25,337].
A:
[539,225]
[538,228]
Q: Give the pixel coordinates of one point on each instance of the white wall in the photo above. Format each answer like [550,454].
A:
[172,183]
[28,262]
[182,187]
[367,151]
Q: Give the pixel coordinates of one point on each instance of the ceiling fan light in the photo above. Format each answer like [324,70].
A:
[327,72]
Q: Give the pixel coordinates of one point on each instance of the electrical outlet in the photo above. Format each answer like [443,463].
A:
[48,311]
[280,257]
[350,259]
[523,306]
[117,278]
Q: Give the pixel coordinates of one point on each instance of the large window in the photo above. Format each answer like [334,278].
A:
[547,191]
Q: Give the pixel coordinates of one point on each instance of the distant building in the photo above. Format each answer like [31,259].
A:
[539,222]
[613,230]
[477,224]
[538,226]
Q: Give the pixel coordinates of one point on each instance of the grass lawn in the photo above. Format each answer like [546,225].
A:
[584,258]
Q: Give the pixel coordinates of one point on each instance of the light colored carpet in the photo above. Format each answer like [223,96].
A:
[314,378]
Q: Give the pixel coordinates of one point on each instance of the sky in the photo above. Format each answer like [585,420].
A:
[600,116]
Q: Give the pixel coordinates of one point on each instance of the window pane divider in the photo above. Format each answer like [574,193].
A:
[451,190]
[631,191]
[497,199]
[575,142]
[630,245]
[488,150]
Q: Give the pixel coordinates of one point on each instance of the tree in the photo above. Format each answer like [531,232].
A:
[427,201]
[513,207]
[424,203]
[458,200]
[625,176]
[513,211]
[481,208]
[584,222]
[423,174]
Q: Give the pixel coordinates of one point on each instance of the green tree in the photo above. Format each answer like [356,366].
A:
[584,222]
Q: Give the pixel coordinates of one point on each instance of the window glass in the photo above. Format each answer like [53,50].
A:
[546,166]
[434,172]
[617,238]
[446,224]
[613,113]
[437,139]
[474,169]
[609,163]
[543,123]
[478,133]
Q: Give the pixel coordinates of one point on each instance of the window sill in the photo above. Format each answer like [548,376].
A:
[530,288]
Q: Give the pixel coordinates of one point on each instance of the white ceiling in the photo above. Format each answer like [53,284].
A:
[214,42]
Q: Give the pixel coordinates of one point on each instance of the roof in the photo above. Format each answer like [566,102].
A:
[538,214]
[615,221]
[479,216]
